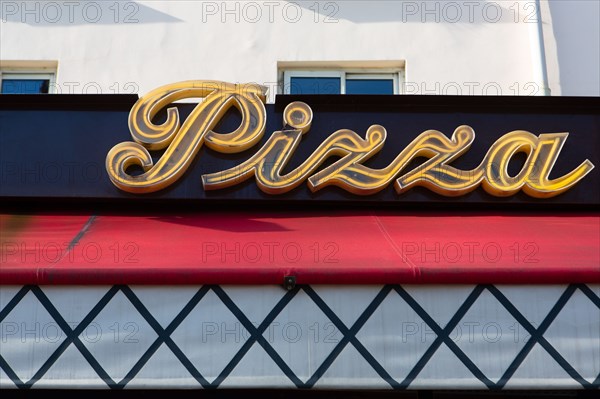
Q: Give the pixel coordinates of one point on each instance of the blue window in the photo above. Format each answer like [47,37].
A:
[25,86]
[340,82]
[25,82]
[369,86]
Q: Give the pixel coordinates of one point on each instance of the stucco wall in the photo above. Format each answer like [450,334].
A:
[462,47]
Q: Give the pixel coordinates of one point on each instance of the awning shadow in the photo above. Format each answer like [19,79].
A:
[237,224]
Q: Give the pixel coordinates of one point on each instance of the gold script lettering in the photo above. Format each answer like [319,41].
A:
[183,142]
[348,172]
[267,163]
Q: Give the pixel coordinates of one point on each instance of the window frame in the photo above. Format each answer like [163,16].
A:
[29,74]
[344,75]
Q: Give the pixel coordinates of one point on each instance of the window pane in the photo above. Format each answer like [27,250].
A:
[369,86]
[316,85]
[25,86]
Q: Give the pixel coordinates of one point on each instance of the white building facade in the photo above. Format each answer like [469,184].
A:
[424,47]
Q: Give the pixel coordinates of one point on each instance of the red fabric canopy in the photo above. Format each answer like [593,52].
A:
[316,247]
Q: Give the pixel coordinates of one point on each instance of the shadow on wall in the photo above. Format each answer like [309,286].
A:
[40,13]
[407,11]
[576,26]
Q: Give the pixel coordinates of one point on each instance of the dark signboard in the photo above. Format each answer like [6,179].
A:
[412,150]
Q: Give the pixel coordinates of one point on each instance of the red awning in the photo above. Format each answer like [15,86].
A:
[316,247]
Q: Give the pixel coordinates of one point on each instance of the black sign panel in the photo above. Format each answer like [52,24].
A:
[55,146]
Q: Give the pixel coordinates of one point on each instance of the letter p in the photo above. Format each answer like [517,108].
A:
[8,329]
[8,249]
[209,249]
[408,249]
[209,328]
[409,8]
[9,8]
[209,8]
[408,329]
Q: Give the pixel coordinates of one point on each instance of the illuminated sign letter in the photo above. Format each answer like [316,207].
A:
[183,142]
[348,172]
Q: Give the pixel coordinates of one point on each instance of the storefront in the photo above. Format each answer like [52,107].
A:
[366,243]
